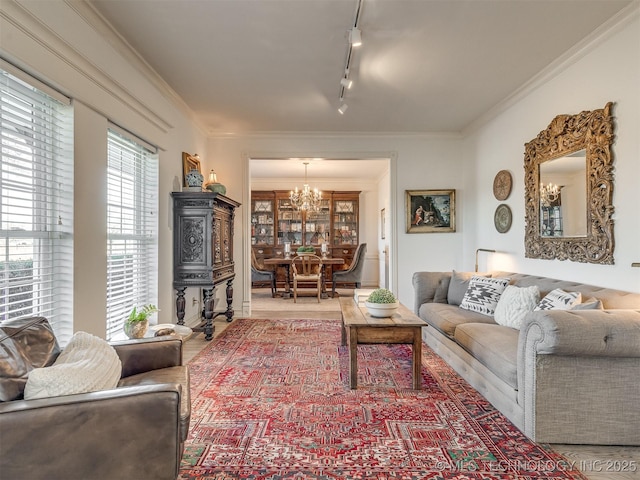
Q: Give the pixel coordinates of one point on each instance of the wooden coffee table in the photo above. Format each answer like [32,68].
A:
[359,328]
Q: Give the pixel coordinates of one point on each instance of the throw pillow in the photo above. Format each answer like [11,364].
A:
[558,299]
[515,303]
[590,303]
[88,364]
[459,284]
[25,343]
[483,294]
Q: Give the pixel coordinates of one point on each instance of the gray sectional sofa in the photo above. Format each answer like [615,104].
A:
[566,376]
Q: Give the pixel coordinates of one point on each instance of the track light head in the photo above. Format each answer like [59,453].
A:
[355,37]
[343,108]
[346,83]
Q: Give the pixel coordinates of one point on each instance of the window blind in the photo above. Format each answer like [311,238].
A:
[36,205]
[132,228]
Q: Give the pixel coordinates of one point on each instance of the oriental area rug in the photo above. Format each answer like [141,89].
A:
[271,400]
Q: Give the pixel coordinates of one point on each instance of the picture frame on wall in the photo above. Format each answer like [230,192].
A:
[189,162]
[430,211]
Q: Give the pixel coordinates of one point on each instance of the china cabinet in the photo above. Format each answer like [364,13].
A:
[275,223]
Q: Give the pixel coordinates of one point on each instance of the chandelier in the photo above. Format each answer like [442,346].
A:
[306,199]
[549,193]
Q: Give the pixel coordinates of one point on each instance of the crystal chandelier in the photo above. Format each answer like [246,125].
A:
[306,199]
[548,194]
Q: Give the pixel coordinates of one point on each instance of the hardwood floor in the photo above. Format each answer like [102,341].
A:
[596,462]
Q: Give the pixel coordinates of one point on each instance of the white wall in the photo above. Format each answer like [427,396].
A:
[417,162]
[55,43]
[609,70]
[384,197]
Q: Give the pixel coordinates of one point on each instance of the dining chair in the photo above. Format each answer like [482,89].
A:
[353,274]
[307,268]
[259,275]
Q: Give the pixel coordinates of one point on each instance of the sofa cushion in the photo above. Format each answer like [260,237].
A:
[178,375]
[459,284]
[495,346]
[446,318]
[590,303]
[558,299]
[514,304]
[87,364]
[483,294]
[25,344]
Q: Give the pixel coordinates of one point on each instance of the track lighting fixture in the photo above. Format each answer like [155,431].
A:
[346,83]
[355,40]
[355,37]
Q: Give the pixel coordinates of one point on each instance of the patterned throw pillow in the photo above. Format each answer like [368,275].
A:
[514,304]
[458,285]
[558,299]
[483,294]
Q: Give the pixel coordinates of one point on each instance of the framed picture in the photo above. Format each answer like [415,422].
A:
[382,224]
[189,162]
[431,211]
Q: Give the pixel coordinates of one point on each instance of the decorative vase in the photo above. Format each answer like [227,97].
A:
[381,310]
[136,329]
[194,180]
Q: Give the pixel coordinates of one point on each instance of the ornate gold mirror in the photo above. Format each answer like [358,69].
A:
[569,189]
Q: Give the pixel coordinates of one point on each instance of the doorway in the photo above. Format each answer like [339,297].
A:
[373,176]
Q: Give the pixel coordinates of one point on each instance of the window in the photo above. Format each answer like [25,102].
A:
[132,228]
[36,203]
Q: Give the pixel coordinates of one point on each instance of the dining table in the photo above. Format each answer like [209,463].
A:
[286,263]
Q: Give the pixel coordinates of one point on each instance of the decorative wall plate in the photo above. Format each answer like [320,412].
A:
[502,218]
[502,184]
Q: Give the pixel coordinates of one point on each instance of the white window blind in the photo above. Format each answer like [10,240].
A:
[36,205]
[132,228]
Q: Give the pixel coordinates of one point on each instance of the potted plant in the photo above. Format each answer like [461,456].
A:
[381,303]
[136,325]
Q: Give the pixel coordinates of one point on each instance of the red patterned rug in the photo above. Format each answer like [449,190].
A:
[271,400]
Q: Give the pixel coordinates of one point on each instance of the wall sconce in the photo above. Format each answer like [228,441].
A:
[482,250]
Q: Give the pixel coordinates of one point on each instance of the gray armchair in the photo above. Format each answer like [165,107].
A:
[353,274]
[136,430]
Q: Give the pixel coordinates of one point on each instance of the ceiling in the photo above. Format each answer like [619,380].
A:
[265,66]
[425,66]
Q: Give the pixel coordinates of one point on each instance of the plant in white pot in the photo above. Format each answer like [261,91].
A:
[381,303]
[138,322]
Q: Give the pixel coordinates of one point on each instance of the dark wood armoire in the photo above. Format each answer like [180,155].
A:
[203,251]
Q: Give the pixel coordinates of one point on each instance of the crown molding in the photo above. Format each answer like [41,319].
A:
[334,135]
[107,31]
[29,21]
[587,45]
